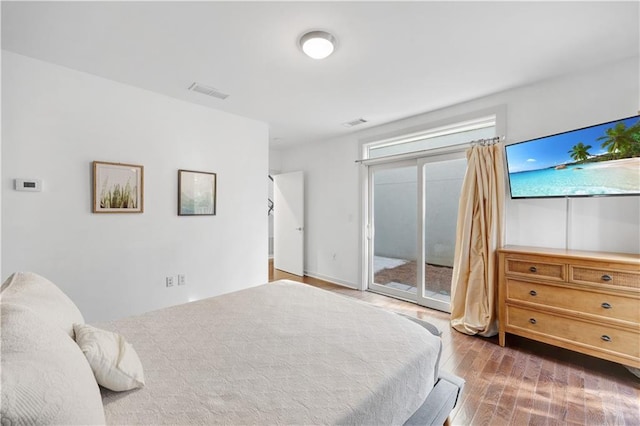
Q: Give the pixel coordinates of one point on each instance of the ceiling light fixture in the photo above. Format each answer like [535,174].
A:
[317,44]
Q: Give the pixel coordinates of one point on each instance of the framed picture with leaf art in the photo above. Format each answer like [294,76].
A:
[196,193]
[117,188]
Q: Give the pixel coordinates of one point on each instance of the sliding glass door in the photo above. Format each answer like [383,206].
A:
[413,210]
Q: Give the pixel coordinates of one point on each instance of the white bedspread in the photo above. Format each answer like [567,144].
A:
[280,353]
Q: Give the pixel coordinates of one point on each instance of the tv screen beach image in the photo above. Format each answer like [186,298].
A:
[597,160]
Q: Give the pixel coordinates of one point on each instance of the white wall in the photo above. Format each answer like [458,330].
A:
[395,221]
[275,160]
[1,154]
[56,121]
[331,208]
[573,101]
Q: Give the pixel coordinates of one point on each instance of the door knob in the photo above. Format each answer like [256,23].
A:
[298,229]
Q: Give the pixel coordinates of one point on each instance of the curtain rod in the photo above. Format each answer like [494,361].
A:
[487,142]
[434,151]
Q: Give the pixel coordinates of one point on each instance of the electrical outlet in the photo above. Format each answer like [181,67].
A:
[169,281]
[182,279]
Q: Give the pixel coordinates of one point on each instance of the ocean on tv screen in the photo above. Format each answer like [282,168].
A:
[618,177]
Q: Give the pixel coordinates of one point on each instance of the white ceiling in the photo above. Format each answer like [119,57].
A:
[393,59]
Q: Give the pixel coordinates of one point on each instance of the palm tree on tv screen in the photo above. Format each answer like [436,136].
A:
[622,141]
[580,151]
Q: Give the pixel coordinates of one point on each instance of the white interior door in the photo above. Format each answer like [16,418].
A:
[288,224]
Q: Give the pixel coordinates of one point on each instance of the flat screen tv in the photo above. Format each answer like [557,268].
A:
[599,160]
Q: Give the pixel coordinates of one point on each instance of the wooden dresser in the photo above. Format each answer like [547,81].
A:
[585,301]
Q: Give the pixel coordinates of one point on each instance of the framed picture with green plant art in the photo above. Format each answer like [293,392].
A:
[118,188]
[196,193]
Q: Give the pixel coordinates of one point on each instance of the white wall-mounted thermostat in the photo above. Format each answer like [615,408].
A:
[33,185]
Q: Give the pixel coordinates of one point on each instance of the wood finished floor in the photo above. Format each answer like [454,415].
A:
[525,383]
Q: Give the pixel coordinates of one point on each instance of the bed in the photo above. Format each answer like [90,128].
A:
[279,353]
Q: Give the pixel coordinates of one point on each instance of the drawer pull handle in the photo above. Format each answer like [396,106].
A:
[605,338]
[532,320]
[606,305]
[533,293]
[534,269]
[606,277]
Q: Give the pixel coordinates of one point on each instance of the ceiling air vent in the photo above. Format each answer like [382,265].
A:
[355,122]
[209,91]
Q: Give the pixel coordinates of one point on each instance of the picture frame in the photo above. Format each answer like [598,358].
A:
[118,187]
[196,193]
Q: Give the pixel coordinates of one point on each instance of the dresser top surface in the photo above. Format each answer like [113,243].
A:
[632,258]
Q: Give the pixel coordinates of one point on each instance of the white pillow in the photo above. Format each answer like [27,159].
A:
[45,378]
[42,297]
[113,361]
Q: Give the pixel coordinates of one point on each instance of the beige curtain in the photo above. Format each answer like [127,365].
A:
[478,236]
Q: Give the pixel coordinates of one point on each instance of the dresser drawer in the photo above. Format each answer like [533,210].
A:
[594,336]
[534,268]
[582,275]
[605,305]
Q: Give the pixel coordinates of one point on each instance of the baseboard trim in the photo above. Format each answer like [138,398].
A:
[331,280]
